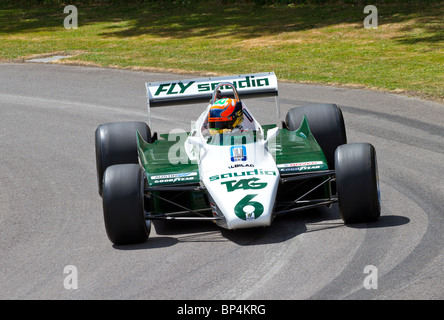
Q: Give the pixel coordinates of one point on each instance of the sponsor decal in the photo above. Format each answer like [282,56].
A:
[300,166]
[179,87]
[241,165]
[301,169]
[177,177]
[238,153]
[244,184]
[173,88]
[249,82]
[254,172]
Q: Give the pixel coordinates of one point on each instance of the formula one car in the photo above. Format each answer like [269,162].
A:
[241,177]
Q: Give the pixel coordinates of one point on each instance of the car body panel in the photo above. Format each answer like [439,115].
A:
[161,163]
[298,151]
[240,191]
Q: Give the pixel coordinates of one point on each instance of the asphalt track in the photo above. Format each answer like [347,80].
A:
[51,213]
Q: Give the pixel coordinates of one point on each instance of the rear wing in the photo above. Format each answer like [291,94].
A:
[179,92]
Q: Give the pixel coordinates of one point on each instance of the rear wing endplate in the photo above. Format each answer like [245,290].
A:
[168,93]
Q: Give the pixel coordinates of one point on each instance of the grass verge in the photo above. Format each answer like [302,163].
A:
[325,44]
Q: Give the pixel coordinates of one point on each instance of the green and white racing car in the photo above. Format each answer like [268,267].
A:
[237,179]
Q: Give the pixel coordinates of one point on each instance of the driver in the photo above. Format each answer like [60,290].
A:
[226,115]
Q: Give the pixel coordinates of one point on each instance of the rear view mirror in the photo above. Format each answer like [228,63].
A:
[195,141]
[272,133]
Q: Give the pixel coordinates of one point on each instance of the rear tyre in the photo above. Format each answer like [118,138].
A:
[357,183]
[326,124]
[116,143]
[123,204]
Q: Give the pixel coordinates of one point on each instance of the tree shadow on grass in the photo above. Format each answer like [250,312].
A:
[432,26]
[28,20]
[211,19]
[248,21]
[421,22]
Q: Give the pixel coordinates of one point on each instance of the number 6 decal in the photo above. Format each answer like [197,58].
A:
[246,209]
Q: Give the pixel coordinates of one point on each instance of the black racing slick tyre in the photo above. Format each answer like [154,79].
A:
[116,143]
[326,124]
[357,183]
[123,204]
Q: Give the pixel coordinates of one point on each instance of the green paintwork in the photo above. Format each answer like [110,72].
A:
[162,158]
[165,163]
[298,146]
[155,158]
[167,156]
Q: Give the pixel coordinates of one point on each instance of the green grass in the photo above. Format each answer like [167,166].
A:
[305,43]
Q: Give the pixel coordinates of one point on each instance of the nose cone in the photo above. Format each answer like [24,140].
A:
[245,198]
[242,182]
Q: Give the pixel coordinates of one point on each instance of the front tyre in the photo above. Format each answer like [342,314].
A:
[116,143]
[123,204]
[357,183]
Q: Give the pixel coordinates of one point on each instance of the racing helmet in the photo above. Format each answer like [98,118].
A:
[225,115]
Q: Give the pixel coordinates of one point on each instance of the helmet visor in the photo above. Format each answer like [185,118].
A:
[217,124]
